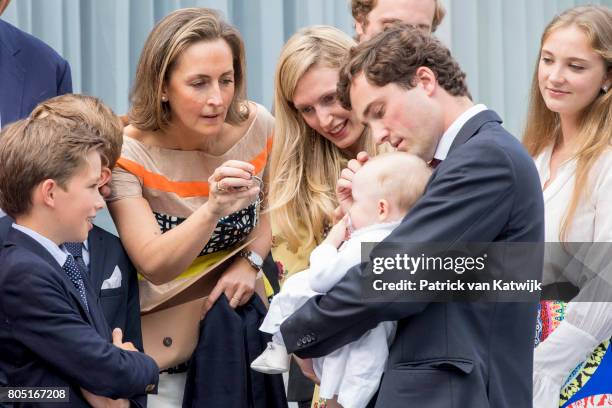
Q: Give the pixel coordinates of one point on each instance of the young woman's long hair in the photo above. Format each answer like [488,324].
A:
[305,165]
[595,133]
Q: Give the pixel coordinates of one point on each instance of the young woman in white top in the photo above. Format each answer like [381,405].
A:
[569,133]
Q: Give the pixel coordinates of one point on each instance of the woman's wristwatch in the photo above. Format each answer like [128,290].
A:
[252,258]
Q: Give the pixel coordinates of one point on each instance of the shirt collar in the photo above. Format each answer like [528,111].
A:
[453,130]
[55,251]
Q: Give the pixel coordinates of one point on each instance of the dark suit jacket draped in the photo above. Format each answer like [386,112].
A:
[49,339]
[30,72]
[449,354]
[219,373]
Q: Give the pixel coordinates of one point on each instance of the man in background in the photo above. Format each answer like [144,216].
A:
[30,72]
[373,16]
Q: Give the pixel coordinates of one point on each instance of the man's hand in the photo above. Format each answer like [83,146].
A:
[344,187]
[118,341]
[97,401]
[307,369]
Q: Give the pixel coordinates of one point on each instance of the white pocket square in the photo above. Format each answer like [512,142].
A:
[114,281]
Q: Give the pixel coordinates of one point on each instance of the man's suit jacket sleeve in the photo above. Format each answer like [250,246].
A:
[47,323]
[469,198]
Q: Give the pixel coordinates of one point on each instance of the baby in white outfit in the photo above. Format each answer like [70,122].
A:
[383,191]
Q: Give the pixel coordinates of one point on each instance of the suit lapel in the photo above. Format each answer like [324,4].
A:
[472,126]
[23,240]
[95,309]
[95,316]
[19,238]
[5,225]
[12,77]
[97,254]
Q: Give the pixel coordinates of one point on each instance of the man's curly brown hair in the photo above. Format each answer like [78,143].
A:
[394,56]
[361,8]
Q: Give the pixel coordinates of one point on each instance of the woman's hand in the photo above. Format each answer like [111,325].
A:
[344,186]
[231,188]
[237,283]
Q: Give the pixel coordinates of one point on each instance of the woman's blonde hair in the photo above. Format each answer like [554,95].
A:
[162,49]
[305,165]
[595,127]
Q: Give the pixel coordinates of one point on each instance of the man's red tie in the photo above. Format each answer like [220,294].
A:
[434,163]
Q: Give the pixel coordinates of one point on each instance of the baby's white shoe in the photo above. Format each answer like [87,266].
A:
[274,360]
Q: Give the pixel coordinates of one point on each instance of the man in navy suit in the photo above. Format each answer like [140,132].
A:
[405,85]
[30,72]
[52,328]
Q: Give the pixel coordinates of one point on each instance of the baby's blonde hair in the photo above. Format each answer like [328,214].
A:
[398,177]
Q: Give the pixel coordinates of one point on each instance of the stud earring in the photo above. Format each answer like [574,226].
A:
[605,88]
[164,98]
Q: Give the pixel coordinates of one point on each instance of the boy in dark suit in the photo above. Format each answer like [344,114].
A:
[52,326]
[111,272]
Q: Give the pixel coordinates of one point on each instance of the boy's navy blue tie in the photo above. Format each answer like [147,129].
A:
[76,277]
[76,249]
